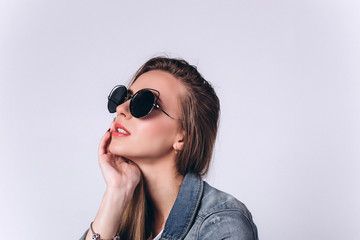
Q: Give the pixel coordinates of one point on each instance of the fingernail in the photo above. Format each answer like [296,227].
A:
[108,130]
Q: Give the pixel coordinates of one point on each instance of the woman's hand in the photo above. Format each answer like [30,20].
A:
[120,174]
[121,177]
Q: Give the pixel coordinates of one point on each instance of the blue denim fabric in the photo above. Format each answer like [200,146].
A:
[202,212]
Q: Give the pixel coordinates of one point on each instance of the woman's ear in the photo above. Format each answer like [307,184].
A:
[179,141]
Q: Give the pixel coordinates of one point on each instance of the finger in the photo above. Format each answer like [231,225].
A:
[118,161]
[111,129]
[112,125]
[104,142]
[132,164]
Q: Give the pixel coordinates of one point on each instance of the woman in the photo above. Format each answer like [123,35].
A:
[153,156]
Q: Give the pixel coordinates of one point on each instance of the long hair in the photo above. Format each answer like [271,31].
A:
[200,109]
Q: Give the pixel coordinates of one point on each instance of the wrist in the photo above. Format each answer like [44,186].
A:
[108,218]
[124,193]
[115,198]
[96,236]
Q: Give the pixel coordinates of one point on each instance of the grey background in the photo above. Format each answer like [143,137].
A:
[287,74]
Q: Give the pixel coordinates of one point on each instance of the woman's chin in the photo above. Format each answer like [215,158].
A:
[116,150]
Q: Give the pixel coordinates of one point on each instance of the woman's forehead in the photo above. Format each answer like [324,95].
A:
[161,81]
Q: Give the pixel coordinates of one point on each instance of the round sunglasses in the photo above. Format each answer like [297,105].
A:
[141,103]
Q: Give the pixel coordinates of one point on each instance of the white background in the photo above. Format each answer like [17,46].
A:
[287,74]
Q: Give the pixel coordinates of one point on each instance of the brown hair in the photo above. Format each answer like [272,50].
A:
[200,109]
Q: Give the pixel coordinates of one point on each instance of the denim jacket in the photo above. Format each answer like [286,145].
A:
[202,212]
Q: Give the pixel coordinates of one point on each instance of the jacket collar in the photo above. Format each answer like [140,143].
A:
[185,207]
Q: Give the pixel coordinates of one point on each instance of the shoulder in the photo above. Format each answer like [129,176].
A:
[222,216]
[214,200]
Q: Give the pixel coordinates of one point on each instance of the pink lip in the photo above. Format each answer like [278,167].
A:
[116,133]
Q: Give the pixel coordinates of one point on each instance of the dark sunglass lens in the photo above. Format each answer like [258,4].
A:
[116,97]
[142,103]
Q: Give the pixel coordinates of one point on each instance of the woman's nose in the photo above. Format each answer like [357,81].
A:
[123,109]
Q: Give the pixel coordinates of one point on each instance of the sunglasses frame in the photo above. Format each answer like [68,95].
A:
[131,97]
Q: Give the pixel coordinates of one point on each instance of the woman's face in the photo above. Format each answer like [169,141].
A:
[153,136]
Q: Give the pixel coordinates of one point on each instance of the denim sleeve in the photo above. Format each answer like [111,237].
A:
[84,235]
[228,224]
